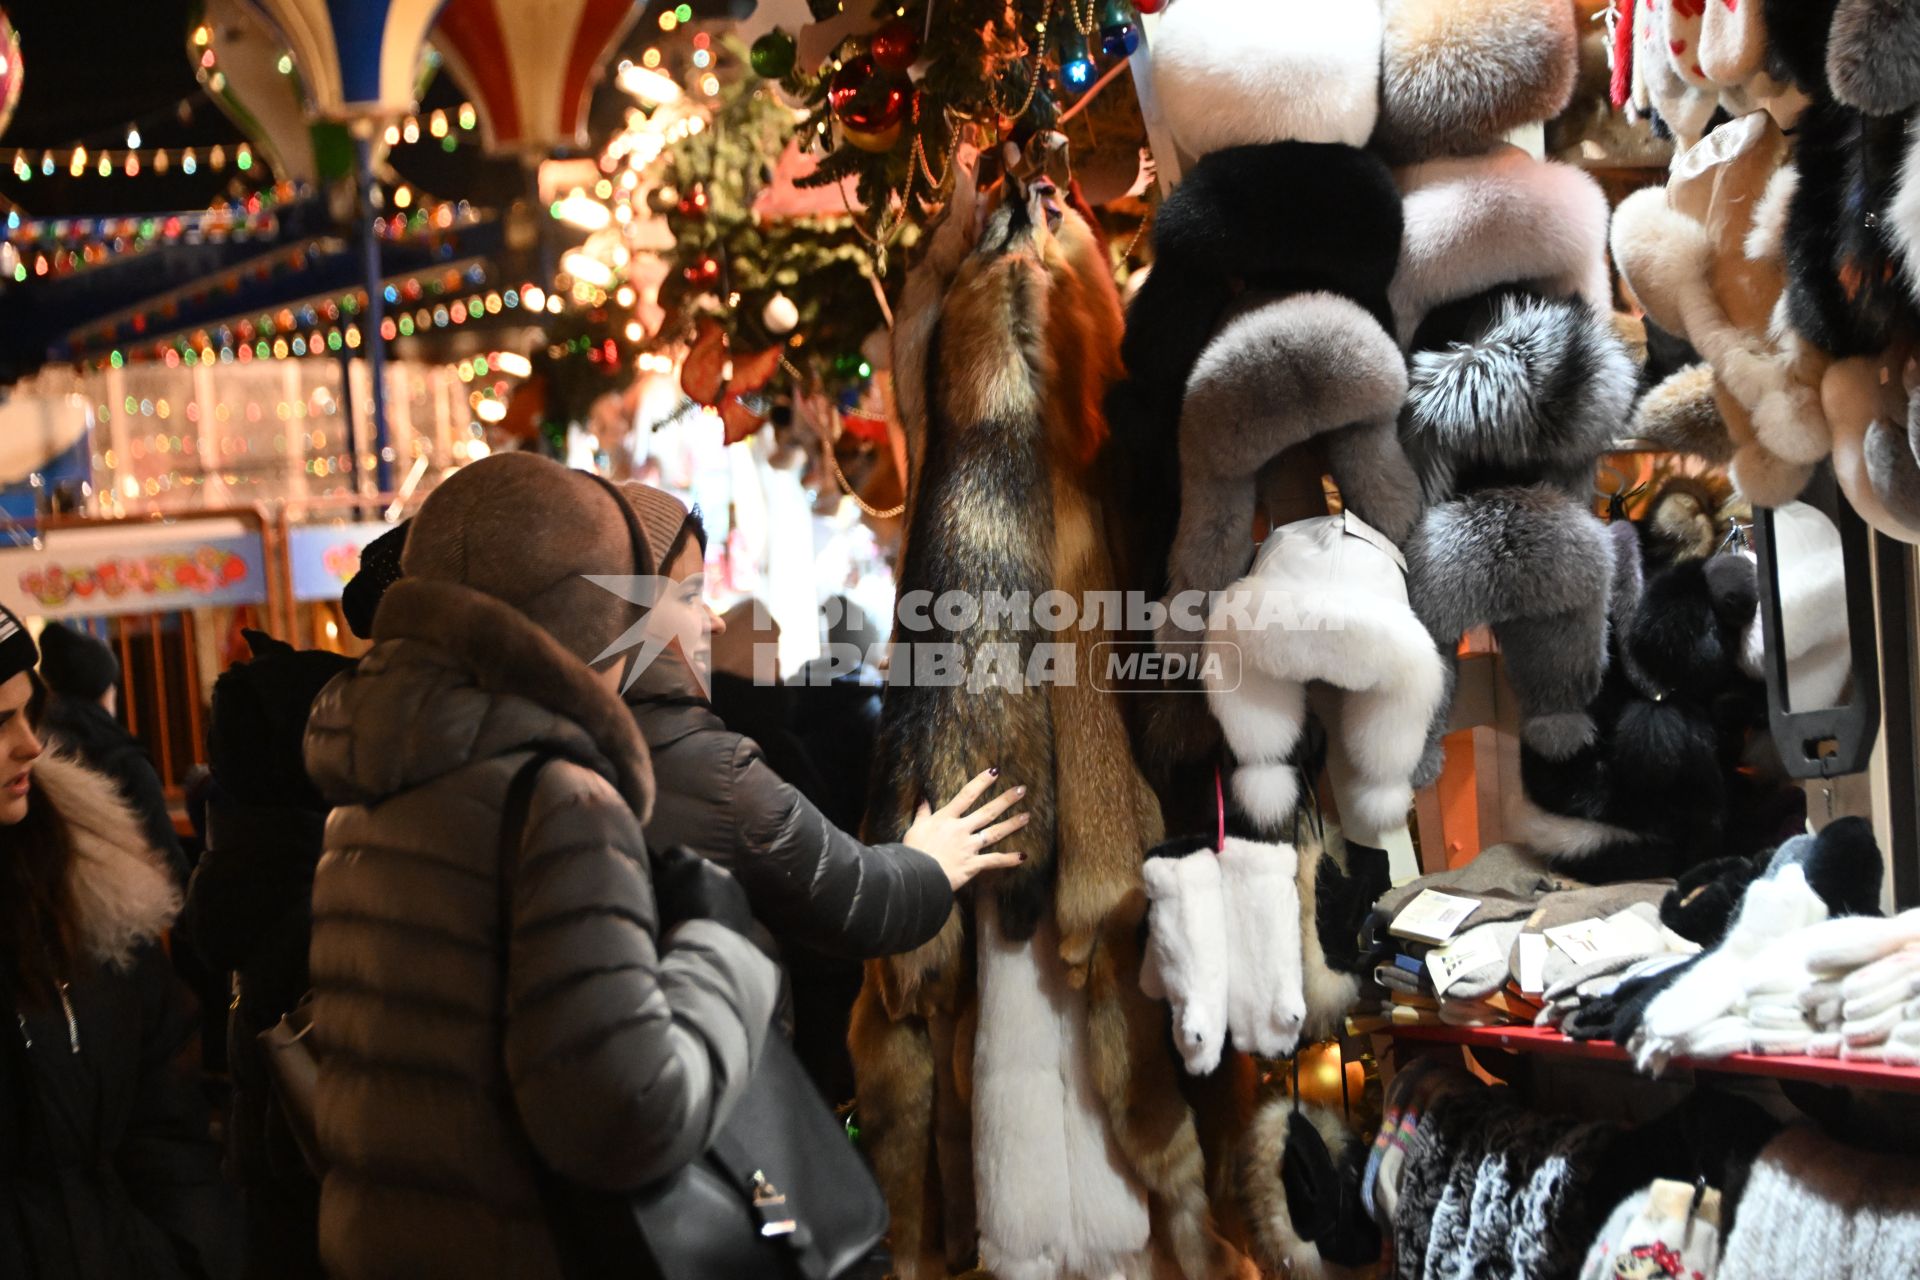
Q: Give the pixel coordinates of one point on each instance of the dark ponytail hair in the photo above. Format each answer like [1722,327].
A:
[38,938]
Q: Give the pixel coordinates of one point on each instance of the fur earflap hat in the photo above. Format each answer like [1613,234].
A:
[1230,72]
[1475,223]
[1456,77]
[1256,224]
[1277,375]
[1873,55]
[1326,603]
[1537,566]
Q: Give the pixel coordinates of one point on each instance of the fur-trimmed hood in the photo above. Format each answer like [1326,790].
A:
[457,677]
[1476,222]
[122,894]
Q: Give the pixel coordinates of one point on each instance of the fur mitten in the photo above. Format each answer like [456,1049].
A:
[1733,41]
[1186,959]
[1265,1007]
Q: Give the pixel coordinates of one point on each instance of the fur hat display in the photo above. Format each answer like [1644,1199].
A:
[1326,602]
[1845,294]
[1649,796]
[1475,223]
[1248,228]
[1277,374]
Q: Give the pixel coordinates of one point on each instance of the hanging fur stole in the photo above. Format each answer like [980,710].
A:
[1014,369]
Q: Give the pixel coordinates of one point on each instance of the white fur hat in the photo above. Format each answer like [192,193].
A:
[1231,72]
[1326,601]
[1473,223]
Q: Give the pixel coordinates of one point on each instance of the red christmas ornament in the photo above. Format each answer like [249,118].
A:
[1149,6]
[896,45]
[862,106]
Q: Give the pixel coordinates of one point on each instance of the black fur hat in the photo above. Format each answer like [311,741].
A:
[1797,33]
[1842,863]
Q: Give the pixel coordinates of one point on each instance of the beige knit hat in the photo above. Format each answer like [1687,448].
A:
[525,530]
[662,518]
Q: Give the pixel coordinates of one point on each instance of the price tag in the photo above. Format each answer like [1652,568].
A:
[1585,941]
[1533,963]
[1476,950]
[1432,916]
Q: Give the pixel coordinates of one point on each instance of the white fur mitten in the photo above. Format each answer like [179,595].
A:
[1186,959]
[1265,1004]
[1733,41]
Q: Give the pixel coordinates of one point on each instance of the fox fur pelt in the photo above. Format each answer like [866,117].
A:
[1014,365]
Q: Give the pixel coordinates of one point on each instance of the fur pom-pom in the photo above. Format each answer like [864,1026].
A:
[1457,77]
[1229,72]
[1873,55]
[1541,391]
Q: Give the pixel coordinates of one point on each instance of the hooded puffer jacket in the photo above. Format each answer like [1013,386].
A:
[809,881]
[614,1051]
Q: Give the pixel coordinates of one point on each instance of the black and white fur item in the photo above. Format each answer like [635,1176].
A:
[1844,293]
[1537,391]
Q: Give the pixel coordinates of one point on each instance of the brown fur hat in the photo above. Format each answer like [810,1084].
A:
[1458,75]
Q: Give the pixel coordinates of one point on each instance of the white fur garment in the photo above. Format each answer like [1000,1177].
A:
[1265,1003]
[1186,959]
[1053,1197]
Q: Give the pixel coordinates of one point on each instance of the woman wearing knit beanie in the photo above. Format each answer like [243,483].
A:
[808,880]
[491,993]
[106,1169]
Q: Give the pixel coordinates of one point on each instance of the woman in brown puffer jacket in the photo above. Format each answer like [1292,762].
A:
[618,1044]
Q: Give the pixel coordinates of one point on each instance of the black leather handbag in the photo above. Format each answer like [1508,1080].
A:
[780,1194]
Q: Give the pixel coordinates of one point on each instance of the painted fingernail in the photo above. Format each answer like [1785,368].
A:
[1023,857]
[994,772]
[1019,791]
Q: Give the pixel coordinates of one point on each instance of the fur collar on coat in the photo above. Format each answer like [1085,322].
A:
[123,897]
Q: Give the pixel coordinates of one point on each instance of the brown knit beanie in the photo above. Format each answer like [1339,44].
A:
[524,530]
[662,518]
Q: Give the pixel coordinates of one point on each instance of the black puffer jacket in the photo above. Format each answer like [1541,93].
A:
[249,913]
[616,1048]
[102,743]
[809,881]
[106,1169]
